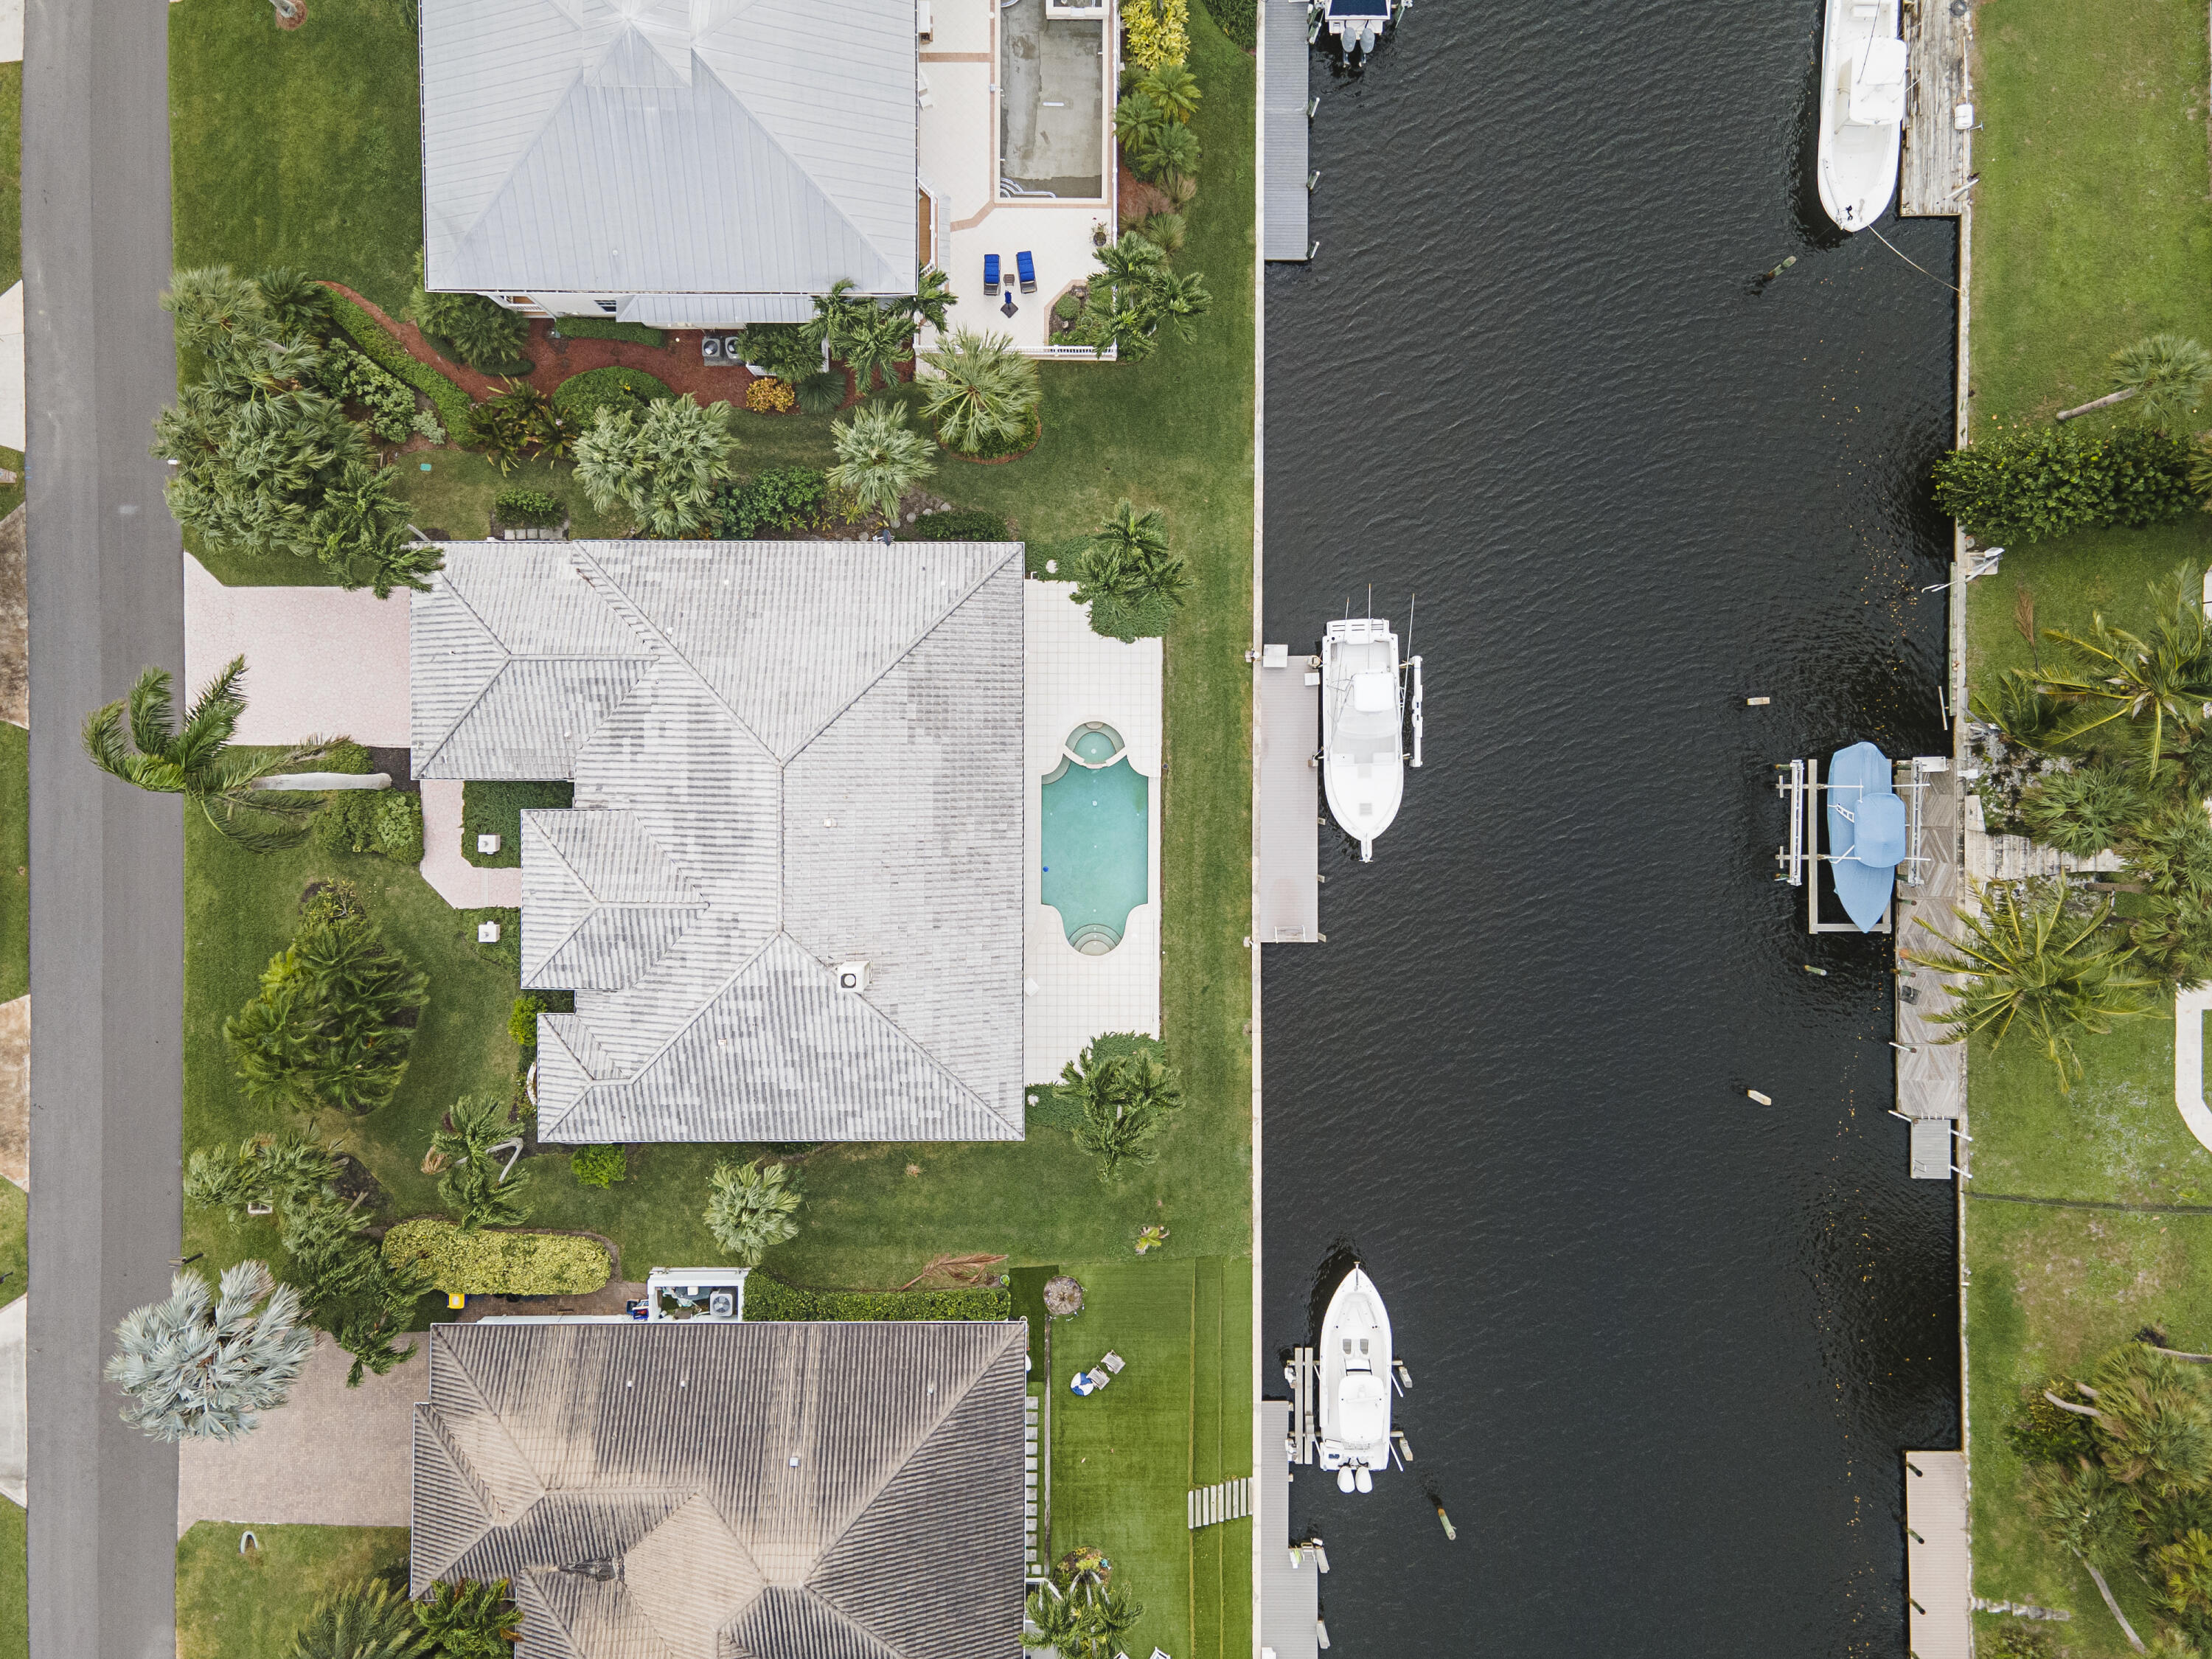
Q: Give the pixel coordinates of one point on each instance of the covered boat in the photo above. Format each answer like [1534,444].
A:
[1361,727]
[1866,832]
[1355,1383]
[1862,110]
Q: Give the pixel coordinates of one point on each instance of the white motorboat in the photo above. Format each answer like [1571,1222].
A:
[1862,110]
[1363,726]
[1356,25]
[1355,1383]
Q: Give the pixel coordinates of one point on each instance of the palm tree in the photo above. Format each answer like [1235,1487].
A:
[2084,810]
[2157,1433]
[265,1170]
[2146,680]
[471,1619]
[1172,153]
[2165,375]
[1138,120]
[215,307]
[2025,960]
[979,389]
[664,465]
[332,1023]
[293,302]
[473,1184]
[1127,576]
[2026,716]
[191,760]
[202,1367]
[1178,298]
[1164,231]
[878,458]
[1055,1622]
[1173,88]
[367,1620]
[933,301]
[2083,1512]
[876,339]
[749,1209]
[1132,262]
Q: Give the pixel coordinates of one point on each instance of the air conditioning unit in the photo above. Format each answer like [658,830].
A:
[853,976]
[710,348]
[722,1305]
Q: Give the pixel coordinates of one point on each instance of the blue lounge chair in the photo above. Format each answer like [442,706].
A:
[1027,266]
[991,272]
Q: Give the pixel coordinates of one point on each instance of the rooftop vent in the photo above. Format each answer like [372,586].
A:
[853,976]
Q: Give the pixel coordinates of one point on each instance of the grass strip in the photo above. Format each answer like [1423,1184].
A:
[15,861]
[250,1606]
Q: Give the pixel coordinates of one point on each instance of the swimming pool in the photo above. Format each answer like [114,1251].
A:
[1096,809]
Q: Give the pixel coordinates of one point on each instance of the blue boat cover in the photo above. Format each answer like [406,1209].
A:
[1866,832]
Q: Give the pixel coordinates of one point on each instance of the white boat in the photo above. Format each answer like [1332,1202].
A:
[1355,1383]
[1356,25]
[1363,726]
[1862,110]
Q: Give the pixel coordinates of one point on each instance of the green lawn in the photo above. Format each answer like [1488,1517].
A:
[249,1606]
[2092,229]
[15,1587]
[15,861]
[11,184]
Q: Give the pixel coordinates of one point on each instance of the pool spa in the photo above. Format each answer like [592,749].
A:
[1095,869]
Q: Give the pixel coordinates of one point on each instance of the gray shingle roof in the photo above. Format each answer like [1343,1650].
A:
[699,1491]
[787,756]
[669,147]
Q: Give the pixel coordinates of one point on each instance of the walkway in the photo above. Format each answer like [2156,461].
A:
[464,885]
[2189,1008]
[320,661]
[1937,1570]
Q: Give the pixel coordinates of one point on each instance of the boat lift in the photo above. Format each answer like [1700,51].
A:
[1798,782]
[1303,1443]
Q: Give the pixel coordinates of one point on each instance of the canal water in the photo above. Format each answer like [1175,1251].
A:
[1667,1343]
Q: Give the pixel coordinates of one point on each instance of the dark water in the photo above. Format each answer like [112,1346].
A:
[1667,1343]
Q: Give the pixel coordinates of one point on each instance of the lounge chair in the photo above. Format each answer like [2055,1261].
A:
[1027,267]
[991,272]
[1113,1362]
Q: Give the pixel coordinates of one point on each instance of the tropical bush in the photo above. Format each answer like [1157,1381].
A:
[752,1209]
[1159,32]
[769,396]
[527,507]
[582,396]
[385,822]
[879,458]
[606,328]
[344,755]
[482,333]
[821,393]
[471,1619]
[767,1299]
[368,1619]
[346,1286]
[2084,810]
[782,499]
[790,351]
[278,1170]
[521,423]
[333,1020]
[2041,1432]
[474,1180]
[494,807]
[490,1262]
[1136,291]
[1124,1094]
[199,1367]
[2026,485]
[960,525]
[350,377]
[663,465]
[979,391]
[1239,21]
[1080,1616]
[382,347]
[598,1166]
[1132,584]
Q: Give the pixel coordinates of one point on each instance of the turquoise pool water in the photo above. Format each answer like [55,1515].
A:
[1096,865]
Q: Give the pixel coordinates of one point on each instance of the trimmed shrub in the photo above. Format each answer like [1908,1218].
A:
[385,822]
[1239,21]
[771,1300]
[598,1166]
[784,500]
[522,1024]
[1159,32]
[790,351]
[963,524]
[490,808]
[388,401]
[381,347]
[582,396]
[2025,486]
[527,507]
[493,1262]
[769,396]
[606,328]
[343,755]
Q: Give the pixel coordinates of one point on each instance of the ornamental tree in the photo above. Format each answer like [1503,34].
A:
[201,1366]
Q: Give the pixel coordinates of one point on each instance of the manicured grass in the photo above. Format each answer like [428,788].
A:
[15,861]
[299,149]
[249,1606]
[15,1585]
[11,183]
[2092,229]
[1125,1459]
[495,808]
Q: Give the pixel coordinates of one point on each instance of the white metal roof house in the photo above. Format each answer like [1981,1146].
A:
[789,898]
[705,1491]
[682,163]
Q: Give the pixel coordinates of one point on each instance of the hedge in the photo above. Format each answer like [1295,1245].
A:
[771,1300]
[613,388]
[2023,485]
[1239,21]
[961,524]
[496,1262]
[381,347]
[605,328]
[388,822]
[490,808]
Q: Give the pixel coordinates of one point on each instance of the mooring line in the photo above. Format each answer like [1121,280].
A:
[1922,269]
[2092,1204]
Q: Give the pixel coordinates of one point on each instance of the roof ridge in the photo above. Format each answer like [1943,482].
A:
[507,661]
[671,650]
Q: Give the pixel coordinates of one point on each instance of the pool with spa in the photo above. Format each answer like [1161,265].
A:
[1093,840]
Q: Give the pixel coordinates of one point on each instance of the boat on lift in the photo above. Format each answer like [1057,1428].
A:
[1364,690]
[1356,26]
[1866,832]
[1862,110]
[1354,1403]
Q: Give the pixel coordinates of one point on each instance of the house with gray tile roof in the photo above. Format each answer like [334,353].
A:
[789,897]
[693,1490]
[682,163]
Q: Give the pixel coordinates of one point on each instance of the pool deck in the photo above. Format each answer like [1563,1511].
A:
[1073,675]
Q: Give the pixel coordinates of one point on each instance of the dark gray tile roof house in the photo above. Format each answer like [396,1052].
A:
[790,758]
[697,1491]
[676,162]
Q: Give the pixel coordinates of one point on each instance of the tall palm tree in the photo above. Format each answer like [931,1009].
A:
[1127,574]
[2085,1513]
[875,340]
[190,759]
[2024,960]
[2149,681]
[1109,1616]
[367,1620]
[2166,376]
[1056,1623]
[933,299]
[200,1366]
[878,458]
[751,1209]
[979,389]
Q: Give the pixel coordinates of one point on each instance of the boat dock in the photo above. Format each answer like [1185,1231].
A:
[1931,1073]
[1287,109]
[1290,1574]
[1934,171]
[1937,1571]
[1285,736]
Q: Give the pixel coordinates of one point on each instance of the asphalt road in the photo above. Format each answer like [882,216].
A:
[106,592]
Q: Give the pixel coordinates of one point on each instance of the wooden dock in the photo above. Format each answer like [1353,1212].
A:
[1285,108]
[1286,839]
[1938,1568]
[1938,158]
[1290,1575]
[1931,1073]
